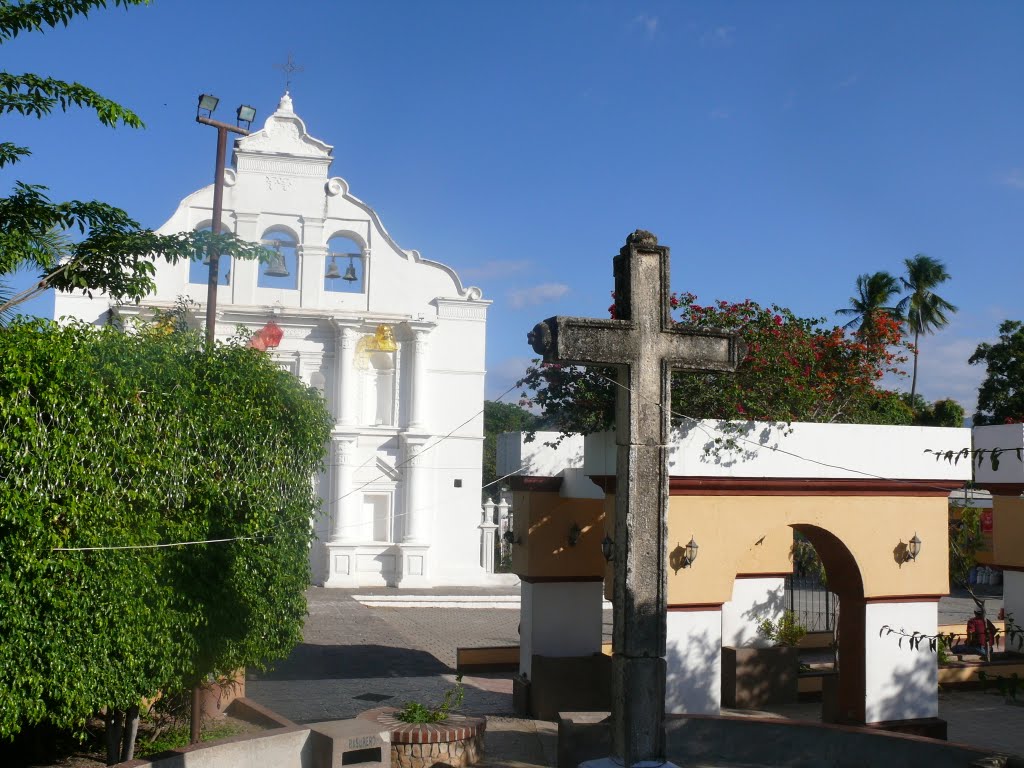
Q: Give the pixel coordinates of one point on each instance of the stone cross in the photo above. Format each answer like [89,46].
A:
[645,345]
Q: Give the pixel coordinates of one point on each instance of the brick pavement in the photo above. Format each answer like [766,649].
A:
[352,656]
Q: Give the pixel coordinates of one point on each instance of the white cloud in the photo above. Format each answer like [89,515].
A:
[719,37]
[536,294]
[1013,178]
[649,24]
[495,268]
[942,371]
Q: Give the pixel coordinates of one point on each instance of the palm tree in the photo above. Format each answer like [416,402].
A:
[925,311]
[874,292]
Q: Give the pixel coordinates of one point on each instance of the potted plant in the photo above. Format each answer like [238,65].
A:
[758,677]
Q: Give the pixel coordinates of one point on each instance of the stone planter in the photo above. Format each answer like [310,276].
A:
[753,678]
[457,742]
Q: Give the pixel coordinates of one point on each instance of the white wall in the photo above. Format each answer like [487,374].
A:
[1013,598]
[693,682]
[559,619]
[752,601]
[900,683]
[1009,437]
[850,451]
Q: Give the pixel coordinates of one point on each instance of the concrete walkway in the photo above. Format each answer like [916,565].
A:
[355,657]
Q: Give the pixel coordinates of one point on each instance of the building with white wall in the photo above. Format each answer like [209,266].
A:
[394,342]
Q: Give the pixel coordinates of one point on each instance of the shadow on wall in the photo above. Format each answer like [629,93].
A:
[912,689]
[731,442]
[350,662]
[693,680]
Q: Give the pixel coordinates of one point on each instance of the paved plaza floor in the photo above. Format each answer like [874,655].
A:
[361,651]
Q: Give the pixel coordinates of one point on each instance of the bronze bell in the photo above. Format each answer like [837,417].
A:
[350,272]
[332,270]
[277,267]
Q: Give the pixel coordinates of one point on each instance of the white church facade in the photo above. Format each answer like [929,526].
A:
[393,341]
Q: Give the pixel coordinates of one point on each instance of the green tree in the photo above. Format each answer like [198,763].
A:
[109,251]
[120,442]
[796,369]
[924,310]
[1001,395]
[874,294]
[498,418]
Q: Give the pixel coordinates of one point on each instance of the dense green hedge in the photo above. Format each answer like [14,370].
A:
[110,439]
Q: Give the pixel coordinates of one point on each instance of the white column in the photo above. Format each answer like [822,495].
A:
[1013,601]
[418,407]
[900,683]
[344,501]
[487,528]
[693,682]
[346,383]
[753,599]
[312,266]
[417,490]
[245,272]
[560,618]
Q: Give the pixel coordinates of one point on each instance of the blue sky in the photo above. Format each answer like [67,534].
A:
[780,149]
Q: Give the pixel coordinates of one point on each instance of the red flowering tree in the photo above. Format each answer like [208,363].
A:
[796,369]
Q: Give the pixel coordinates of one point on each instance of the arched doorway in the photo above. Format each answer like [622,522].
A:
[844,580]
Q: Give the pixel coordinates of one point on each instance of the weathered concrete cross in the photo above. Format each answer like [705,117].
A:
[646,346]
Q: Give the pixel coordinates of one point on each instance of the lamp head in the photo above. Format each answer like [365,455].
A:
[207,103]
[246,114]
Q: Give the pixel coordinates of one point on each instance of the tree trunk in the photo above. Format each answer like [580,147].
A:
[131,730]
[196,719]
[114,719]
[913,382]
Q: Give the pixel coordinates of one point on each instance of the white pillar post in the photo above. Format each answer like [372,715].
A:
[417,502]
[694,661]
[901,683]
[245,272]
[420,352]
[487,529]
[344,522]
[346,386]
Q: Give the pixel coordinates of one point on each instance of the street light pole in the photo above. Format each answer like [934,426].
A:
[245,115]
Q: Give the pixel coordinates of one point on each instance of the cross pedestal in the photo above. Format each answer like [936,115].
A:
[645,346]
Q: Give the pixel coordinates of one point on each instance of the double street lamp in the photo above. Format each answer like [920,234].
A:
[245,114]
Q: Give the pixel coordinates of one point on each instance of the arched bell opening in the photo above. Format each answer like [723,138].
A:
[199,266]
[346,265]
[280,269]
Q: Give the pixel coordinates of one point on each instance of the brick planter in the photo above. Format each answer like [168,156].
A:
[457,742]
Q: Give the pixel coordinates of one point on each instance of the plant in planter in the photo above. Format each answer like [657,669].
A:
[757,677]
[787,631]
[414,712]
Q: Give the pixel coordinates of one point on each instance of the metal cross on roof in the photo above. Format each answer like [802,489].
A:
[289,68]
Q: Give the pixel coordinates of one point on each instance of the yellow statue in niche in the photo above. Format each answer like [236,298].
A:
[382,340]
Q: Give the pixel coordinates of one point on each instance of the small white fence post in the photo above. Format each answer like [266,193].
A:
[487,528]
[504,521]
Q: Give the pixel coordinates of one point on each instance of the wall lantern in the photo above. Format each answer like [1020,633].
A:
[914,547]
[245,114]
[683,557]
[510,538]
[574,534]
[608,548]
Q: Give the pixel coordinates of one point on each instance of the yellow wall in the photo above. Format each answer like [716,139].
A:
[751,534]
[1008,530]
[542,521]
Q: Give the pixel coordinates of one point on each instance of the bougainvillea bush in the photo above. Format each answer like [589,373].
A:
[795,369]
